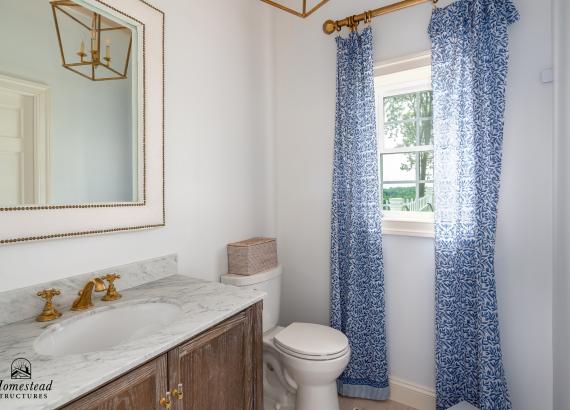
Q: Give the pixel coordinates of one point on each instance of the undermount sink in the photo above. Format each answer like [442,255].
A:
[105,328]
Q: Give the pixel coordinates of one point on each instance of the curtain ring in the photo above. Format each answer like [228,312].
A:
[352,23]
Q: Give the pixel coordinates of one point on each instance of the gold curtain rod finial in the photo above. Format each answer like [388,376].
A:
[329,27]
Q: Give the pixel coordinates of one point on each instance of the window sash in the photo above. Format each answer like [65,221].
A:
[416,181]
[408,150]
[410,181]
[383,91]
[389,82]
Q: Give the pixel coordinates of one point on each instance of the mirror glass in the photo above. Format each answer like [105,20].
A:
[69,106]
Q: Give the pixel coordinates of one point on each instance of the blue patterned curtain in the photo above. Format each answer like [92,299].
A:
[357,275]
[470,58]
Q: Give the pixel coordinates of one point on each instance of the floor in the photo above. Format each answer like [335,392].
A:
[351,404]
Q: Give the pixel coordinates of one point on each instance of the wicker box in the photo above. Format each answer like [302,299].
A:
[252,256]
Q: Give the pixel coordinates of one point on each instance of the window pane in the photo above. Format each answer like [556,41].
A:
[426,132]
[399,134]
[407,177]
[399,167]
[396,196]
[399,108]
[408,197]
[425,202]
[425,101]
[425,166]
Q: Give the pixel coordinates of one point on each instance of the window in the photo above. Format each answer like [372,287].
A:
[404,104]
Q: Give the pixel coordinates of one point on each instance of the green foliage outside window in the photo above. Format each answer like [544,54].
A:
[408,123]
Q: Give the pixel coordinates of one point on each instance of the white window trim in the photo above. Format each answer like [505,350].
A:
[418,224]
[408,224]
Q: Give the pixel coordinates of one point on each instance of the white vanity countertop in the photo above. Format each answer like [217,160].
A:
[204,304]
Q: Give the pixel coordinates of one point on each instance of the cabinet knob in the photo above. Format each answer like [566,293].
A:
[177,392]
[166,402]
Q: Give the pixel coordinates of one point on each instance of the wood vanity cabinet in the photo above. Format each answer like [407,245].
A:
[141,388]
[220,369]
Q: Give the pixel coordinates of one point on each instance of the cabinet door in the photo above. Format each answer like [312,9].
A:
[140,389]
[221,369]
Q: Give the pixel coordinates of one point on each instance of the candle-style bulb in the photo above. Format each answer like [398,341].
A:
[82,47]
[108,49]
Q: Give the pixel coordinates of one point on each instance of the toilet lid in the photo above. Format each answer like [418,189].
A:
[309,339]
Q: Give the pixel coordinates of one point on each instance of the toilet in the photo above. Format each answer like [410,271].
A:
[302,361]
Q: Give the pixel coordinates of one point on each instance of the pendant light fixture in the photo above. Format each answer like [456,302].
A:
[300,8]
[79,34]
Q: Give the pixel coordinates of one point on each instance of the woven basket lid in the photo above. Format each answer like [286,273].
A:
[252,242]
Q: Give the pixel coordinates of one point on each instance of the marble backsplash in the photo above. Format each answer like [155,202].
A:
[23,303]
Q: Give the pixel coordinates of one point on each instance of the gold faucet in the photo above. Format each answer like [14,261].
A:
[49,312]
[112,293]
[83,301]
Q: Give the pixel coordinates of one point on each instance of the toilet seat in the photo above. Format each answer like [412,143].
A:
[310,341]
[311,357]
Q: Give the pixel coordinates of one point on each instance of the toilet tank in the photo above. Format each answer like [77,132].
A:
[268,282]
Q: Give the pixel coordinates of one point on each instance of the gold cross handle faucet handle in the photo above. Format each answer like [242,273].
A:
[49,312]
[112,293]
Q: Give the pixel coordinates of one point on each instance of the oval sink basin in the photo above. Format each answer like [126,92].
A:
[104,329]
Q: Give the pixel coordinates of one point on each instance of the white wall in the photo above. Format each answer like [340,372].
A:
[561,305]
[218,122]
[91,122]
[219,157]
[305,105]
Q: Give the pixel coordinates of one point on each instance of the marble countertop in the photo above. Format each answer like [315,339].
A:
[203,304]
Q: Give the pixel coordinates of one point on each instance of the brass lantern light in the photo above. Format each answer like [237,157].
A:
[303,9]
[79,33]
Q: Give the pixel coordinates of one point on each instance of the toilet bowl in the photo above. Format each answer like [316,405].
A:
[313,356]
[279,390]
[301,366]
[302,361]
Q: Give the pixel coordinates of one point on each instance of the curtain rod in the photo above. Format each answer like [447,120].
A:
[331,26]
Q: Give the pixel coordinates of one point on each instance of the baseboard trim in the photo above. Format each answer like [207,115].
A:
[411,394]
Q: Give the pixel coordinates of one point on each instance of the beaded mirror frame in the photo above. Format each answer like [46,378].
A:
[43,222]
